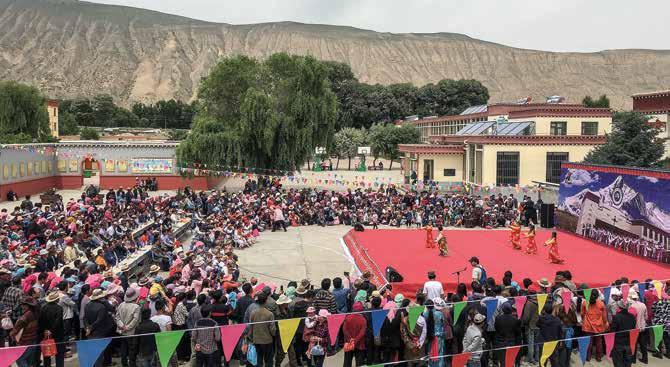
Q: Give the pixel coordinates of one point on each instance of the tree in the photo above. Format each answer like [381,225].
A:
[23,114]
[269,114]
[347,142]
[67,125]
[177,135]
[88,133]
[384,140]
[104,110]
[632,142]
[602,102]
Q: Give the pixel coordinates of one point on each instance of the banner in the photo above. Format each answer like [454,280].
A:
[109,165]
[625,209]
[151,165]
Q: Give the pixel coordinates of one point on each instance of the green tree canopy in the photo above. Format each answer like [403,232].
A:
[602,102]
[633,142]
[347,142]
[67,125]
[384,140]
[23,114]
[88,133]
[269,114]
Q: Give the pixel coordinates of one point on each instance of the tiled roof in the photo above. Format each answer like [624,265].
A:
[521,139]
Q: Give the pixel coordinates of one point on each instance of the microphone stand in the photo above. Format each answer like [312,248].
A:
[458,275]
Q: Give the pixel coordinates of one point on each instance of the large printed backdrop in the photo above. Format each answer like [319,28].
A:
[625,211]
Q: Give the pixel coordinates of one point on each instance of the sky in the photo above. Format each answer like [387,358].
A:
[558,25]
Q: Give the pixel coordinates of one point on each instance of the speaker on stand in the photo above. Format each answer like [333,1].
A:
[392,275]
[547,215]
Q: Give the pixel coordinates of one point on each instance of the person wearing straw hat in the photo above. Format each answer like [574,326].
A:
[473,341]
[127,318]
[283,313]
[51,326]
[98,319]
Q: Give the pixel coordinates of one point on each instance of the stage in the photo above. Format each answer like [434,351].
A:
[404,249]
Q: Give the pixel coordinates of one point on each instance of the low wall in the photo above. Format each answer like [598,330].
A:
[29,187]
[164,182]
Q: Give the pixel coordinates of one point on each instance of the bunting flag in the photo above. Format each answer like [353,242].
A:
[491,306]
[89,350]
[583,344]
[567,300]
[641,288]
[378,317]
[230,335]
[541,300]
[413,315]
[519,303]
[587,295]
[287,330]
[659,288]
[459,360]
[606,294]
[458,308]
[510,355]
[10,355]
[609,343]
[166,343]
[625,288]
[632,336]
[657,330]
[334,323]
[547,350]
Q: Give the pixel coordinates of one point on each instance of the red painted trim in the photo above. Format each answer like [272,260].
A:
[561,112]
[620,170]
[466,118]
[521,139]
[430,148]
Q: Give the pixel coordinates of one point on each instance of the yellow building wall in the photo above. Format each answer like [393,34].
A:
[442,161]
[53,120]
[532,160]
[574,124]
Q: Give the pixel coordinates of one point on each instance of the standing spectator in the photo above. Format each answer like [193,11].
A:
[99,322]
[594,323]
[127,319]
[262,331]
[473,341]
[341,295]
[324,300]
[27,326]
[353,329]
[205,341]
[51,326]
[550,330]
[144,345]
[622,355]
[432,288]
[507,331]
[641,324]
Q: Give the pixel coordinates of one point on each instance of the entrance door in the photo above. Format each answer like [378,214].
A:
[428,166]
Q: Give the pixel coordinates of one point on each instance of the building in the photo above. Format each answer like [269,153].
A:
[52,109]
[505,143]
[656,106]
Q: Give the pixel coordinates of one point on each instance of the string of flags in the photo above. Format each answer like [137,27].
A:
[88,351]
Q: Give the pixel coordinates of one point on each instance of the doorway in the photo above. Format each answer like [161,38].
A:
[90,168]
[428,165]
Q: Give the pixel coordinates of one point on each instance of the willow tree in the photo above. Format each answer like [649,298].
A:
[23,114]
[269,114]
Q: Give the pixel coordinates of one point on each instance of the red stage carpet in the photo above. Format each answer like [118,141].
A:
[590,263]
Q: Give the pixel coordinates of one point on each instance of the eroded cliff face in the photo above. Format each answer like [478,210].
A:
[70,48]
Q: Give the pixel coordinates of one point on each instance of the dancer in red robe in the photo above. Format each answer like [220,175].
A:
[552,245]
[515,235]
[430,242]
[531,246]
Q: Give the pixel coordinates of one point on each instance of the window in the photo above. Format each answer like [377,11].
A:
[558,128]
[554,161]
[507,168]
[589,127]
[449,172]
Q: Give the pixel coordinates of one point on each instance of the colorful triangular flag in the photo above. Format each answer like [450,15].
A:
[633,334]
[606,294]
[587,295]
[378,317]
[166,343]
[287,330]
[458,308]
[230,335]
[510,355]
[583,345]
[566,297]
[641,288]
[459,360]
[519,303]
[491,306]
[541,300]
[334,323]
[413,315]
[10,355]
[609,343]
[547,350]
[89,350]
[659,288]
[625,288]
[657,330]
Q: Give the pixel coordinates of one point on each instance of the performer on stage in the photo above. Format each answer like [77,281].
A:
[531,247]
[515,235]
[552,244]
[430,242]
[442,242]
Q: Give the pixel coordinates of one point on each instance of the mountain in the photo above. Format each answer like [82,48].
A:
[623,198]
[72,48]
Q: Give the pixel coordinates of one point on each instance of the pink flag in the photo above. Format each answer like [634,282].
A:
[334,323]
[567,299]
[519,303]
[632,338]
[609,343]
[10,355]
[230,335]
[459,360]
[625,288]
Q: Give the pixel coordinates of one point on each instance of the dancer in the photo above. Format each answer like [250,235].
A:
[442,242]
[430,242]
[552,244]
[515,235]
[531,247]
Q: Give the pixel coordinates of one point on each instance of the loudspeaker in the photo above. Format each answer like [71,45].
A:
[392,275]
[359,227]
[547,215]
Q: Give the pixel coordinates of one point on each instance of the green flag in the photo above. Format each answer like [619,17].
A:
[413,315]
[658,335]
[458,308]
[166,343]
[587,295]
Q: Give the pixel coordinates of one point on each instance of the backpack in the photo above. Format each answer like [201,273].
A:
[483,277]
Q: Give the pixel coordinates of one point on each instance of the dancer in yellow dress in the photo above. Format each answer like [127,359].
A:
[531,246]
[552,244]
[430,242]
[442,242]
[515,235]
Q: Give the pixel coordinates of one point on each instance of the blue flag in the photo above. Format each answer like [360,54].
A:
[491,306]
[641,288]
[89,350]
[378,317]
[606,294]
[583,342]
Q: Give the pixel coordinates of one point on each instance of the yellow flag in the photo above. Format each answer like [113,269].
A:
[287,329]
[541,300]
[547,350]
[659,288]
